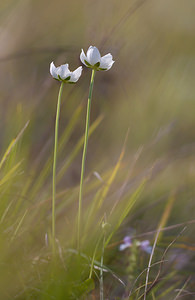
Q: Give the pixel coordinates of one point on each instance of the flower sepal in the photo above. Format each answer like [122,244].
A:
[87,64]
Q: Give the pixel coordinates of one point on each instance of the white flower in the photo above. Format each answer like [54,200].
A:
[63,73]
[94,60]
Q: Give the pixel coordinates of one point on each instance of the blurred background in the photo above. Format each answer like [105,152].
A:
[149,92]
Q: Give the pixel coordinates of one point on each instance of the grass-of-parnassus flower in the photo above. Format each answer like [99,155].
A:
[94,60]
[64,75]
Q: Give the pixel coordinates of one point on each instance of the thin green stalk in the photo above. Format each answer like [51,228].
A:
[84,156]
[101,272]
[54,167]
[93,258]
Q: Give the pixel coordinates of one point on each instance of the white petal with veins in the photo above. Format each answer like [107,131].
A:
[83,57]
[63,71]
[76,75]
[106,61]
[93,55]
[53,70]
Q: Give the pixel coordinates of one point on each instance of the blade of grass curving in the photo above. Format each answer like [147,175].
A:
[150,262]
[164,254]
[137,292]
[103,191]
[84,288]
[73,192]
[6,211]
[10,174]
[97,265]
[163,260]
[135,281]
[133,198]
[111,179]
[162,281]
[183,287]
[166,214]
[164,229]
[70,195]
[122,189]
[62,142]
[162,223]
[93,257]
[77,148]
[48,165]
[12,144]
[92,210]
[19,225]
[168,290]
[105,269]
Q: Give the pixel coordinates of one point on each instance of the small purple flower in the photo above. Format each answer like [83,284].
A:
[145,246]
[127,243]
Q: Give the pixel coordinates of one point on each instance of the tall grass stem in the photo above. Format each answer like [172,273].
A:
[84,157]
[54,169]
[101,272]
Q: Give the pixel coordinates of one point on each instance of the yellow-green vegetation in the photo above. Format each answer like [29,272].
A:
[137,217]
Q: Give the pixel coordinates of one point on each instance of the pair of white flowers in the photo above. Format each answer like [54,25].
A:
[92,60]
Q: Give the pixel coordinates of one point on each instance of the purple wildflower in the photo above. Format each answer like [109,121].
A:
[145,246]
[126,243]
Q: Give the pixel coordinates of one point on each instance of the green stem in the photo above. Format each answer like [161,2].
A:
[54,168]
[84,156]
[101,272]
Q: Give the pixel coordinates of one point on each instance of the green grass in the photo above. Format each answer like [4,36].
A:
[135,184]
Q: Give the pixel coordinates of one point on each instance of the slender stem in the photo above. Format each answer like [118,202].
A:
[101,272]
[84,156]
[54,168]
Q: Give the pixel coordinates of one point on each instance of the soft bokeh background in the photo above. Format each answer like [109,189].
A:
[149,91]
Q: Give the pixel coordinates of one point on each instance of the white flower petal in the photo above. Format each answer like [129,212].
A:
[83,57]
[93,55]
[106,61]
[53,70]
[76,75]
[63,71]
